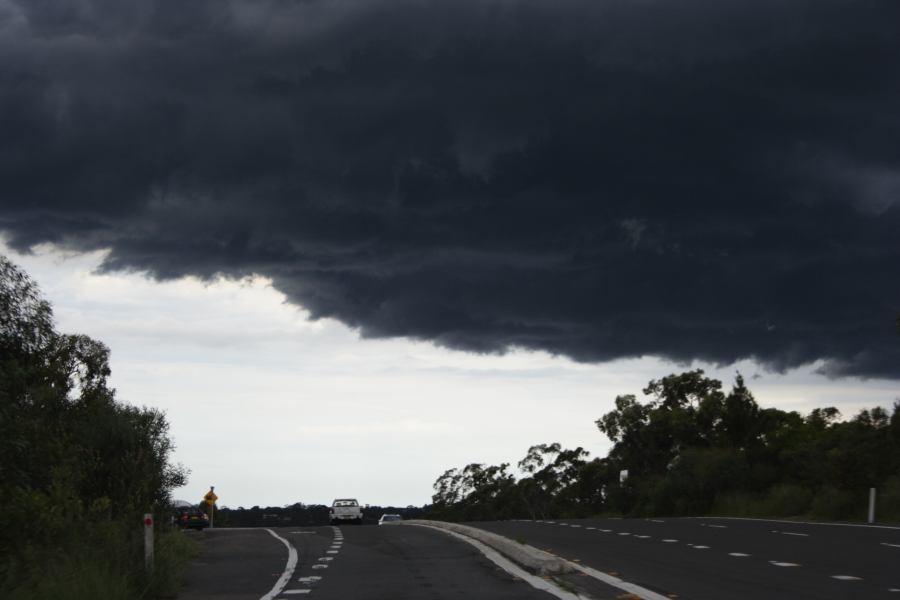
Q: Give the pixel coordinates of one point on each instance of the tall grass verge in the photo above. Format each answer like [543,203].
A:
[101,561]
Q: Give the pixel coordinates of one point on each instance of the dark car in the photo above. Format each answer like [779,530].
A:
[192,518]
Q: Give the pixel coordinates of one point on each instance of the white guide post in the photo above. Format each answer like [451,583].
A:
[148,542]
[871,505]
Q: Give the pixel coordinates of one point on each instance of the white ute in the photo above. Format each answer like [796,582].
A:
[345,509]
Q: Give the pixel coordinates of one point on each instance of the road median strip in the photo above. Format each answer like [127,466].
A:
[534,560]
[529,558]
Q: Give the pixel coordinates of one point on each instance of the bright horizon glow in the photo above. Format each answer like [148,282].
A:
[273,408]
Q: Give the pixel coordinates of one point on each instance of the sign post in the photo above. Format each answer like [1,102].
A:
[871,505]
[210,499]
[148,542]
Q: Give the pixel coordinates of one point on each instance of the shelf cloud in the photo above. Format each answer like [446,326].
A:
[704,179]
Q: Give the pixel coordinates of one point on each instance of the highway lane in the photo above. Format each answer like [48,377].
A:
[349,562]
[723,558]
[233,564]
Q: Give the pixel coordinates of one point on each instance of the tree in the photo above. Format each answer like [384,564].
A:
[73,460]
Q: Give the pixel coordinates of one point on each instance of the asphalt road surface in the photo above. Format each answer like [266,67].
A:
[392,562]
[698,559]
[726,558]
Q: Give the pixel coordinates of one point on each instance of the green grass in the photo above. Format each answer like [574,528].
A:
[827,504]
[101,562]
[174,552]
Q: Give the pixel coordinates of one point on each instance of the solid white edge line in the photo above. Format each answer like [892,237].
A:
[631,588]
[288,568]
[640,592]
[510,567]
[864,525]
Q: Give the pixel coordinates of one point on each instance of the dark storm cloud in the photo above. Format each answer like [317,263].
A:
[607,178]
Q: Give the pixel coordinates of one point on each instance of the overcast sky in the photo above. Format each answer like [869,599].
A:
[272,408]
[409,188]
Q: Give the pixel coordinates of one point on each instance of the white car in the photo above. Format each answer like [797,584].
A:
[345,509]
[386,518]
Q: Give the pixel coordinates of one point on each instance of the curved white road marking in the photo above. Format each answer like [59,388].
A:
[539,583]
[288,568]
[513,569]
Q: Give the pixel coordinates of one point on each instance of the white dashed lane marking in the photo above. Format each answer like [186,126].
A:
[309,579]
[774,563]
[320,566]
[295,591]
[790,533]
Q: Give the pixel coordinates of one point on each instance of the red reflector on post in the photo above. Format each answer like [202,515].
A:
[148,521]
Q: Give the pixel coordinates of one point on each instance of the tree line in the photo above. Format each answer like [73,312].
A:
[693,448]
[78,468]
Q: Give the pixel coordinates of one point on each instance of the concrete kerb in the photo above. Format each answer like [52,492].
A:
[528,557]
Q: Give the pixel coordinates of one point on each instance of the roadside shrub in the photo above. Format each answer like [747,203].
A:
[77,467]
[888,501]
[834,504]
[786,500]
